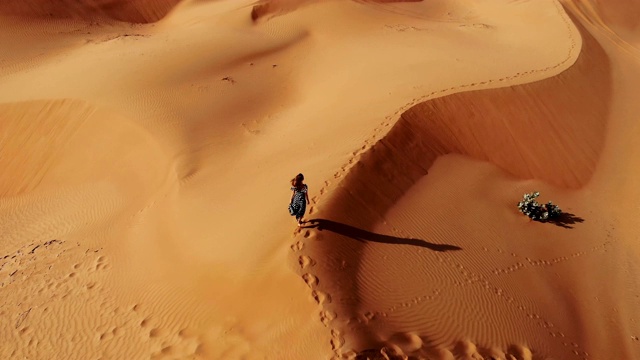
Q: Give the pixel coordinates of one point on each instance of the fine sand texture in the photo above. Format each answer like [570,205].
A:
[147,147]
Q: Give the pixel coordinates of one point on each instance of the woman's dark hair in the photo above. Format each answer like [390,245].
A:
[297,181]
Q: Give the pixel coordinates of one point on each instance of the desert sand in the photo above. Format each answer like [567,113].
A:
[147,147]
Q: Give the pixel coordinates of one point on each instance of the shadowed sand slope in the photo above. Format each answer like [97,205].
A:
[619,13]
[266,8]
[543,130]
[136,11]
[618,20]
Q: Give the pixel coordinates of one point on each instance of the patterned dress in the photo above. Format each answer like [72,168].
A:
[299,204]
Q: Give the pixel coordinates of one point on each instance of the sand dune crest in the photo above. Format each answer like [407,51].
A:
[137,11]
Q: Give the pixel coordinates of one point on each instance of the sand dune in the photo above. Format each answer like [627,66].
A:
[442,214]
[139,11]
[147,148]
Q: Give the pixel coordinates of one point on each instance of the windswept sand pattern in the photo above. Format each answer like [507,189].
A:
[33,272]
[486,283]
[528,262]
[78,293]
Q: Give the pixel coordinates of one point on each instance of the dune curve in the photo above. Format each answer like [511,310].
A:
[511,128]
[138,11]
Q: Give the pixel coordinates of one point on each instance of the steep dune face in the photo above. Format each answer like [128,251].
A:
[137,11]
[619,19]
[623,15]
[542,130]
[267,8]
[379,236]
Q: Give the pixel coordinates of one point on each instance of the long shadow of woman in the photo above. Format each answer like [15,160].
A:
[367,236]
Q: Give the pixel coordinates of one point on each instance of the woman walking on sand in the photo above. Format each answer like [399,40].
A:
[299,198]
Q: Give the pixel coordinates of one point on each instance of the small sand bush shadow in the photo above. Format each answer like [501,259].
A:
[565,220]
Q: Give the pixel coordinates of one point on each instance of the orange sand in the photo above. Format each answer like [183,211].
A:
[146,149]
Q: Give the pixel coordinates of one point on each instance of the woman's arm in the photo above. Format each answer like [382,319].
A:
[307,195]
[293,193]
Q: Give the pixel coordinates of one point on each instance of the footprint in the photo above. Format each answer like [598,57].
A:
[321,297]
[520,352]
[336,342]
[155,332]
[307,234]
[369,315]
[311,280]
[469,349]
[186,333]
[145,322]
[297,246]
[305,261]
[326,316]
